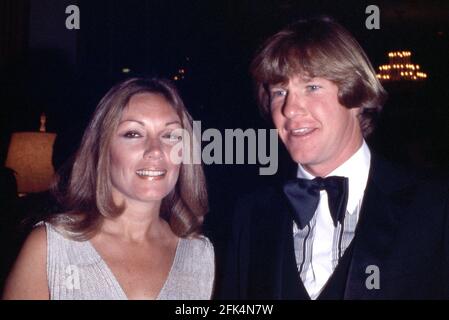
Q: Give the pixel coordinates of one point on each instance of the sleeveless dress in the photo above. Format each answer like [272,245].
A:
[75,271]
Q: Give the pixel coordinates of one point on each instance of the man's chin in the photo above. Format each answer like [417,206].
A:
[300,156]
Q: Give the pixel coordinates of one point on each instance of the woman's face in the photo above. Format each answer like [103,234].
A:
[141,169]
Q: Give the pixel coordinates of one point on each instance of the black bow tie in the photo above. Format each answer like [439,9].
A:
[304,196]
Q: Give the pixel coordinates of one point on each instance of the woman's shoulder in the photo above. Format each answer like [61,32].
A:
[36,242]
[42,236]
[199,242]
[48,232]
[30,268]
[37,239]
[197,248]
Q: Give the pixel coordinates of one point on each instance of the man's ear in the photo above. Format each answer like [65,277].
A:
[357,112]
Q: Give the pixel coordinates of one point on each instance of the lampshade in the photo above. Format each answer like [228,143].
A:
[30,155]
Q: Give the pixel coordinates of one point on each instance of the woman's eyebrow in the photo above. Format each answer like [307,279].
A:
[143,124]
[173,122]
[132,120]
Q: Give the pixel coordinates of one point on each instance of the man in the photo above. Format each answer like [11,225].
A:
[350,226]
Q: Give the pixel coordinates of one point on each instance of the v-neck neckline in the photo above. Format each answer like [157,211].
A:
[117,284]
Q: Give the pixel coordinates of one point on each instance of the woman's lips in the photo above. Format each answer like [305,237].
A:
[151,174]
[302,132]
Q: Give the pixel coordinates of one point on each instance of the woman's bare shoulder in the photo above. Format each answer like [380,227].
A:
[28,277]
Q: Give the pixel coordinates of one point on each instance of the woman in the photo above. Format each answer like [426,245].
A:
[132,228]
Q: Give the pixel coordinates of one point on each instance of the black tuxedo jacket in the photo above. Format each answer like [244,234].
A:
[403,230]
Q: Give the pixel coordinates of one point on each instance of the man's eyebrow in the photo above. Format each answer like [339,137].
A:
[277,85]
[308,78]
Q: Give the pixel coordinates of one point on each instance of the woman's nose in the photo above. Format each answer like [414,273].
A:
[153,149]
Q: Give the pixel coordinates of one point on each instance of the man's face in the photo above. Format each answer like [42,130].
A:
[317,130]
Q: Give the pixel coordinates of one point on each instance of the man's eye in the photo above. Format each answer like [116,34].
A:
[278,93]
[132,134]
[312,87]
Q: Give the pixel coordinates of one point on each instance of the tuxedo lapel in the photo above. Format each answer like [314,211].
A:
[375,233]
[271,237]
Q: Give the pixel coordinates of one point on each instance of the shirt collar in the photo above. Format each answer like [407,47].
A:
[356,169]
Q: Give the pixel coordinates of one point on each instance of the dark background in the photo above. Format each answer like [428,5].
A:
[46,68]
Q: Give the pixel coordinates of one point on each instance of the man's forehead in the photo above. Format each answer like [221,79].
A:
[301,76]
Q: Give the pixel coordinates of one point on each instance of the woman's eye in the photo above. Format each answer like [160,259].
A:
[171,137]
[132,134]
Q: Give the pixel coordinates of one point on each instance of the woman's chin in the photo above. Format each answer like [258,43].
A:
[153,197]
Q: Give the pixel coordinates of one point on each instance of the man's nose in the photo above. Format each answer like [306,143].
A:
[294,106]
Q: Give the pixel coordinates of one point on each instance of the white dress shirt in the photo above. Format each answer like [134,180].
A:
[316,248]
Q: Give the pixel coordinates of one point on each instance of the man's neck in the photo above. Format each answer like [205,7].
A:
[323,170]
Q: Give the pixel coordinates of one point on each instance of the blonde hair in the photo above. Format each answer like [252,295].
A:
[88,197]
[320,47]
